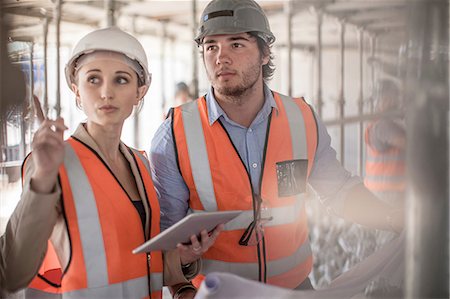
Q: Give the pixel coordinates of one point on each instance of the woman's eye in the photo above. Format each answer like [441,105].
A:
[122,80]
[93,80]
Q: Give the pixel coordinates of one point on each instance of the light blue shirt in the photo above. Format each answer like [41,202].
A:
[328,178]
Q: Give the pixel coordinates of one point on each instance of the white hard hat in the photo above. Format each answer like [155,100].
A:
[109,39]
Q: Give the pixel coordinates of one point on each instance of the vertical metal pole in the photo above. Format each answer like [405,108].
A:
[427,250]
[110,13]
[136,125]
[341,92]
[373,45]
[288,12]
[45,95]
[195,91]
[361,104]
[319,62]
[163,68]
[57,16]
[28,119]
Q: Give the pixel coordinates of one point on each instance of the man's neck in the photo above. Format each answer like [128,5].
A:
[244,108]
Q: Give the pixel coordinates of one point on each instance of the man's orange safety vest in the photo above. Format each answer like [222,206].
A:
[104,227]
[385,171]
[218,181]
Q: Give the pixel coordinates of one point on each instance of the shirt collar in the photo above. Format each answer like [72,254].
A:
[215,111]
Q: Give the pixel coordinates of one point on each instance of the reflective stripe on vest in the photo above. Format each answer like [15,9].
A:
[250,270]
[281,215]
[90,231]
[297,126]
[133,288]
[198,154]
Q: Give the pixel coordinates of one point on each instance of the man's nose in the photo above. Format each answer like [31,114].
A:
[223,56]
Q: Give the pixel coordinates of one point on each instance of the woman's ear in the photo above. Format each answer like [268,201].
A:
[142,90]
[76,91]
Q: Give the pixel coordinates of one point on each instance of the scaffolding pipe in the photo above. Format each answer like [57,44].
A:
[361,104]
[288,12]
[163,59]
[57,17]
[137,127]
[195,91]
[319,62]
[341,102]
[373,45]
[45,45]
[427,248]
[110,11]
[28,118]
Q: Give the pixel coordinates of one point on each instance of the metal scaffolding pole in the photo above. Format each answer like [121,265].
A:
[110,10]
[163,66]
[137,127]
[427,249]
[373,45]
[57,17]
[361,103]
[45,95]
[288,12]
[319,63]
[195,91]
[341,102]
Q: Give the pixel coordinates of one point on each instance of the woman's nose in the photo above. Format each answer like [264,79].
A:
[107,91]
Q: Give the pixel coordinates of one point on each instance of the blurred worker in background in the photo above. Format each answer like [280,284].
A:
[386,141]
[91,195]
[245,147]
[182,94]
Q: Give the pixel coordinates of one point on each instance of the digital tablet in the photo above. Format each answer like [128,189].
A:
[181,231]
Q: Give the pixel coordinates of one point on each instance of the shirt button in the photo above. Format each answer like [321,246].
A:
[250,130]
[254,165]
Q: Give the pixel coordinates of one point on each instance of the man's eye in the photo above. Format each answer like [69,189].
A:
[210,48]
[237,45]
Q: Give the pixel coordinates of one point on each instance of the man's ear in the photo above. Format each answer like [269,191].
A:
[142,90]
[265,56]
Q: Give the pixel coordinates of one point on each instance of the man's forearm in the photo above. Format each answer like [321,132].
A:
[364,208]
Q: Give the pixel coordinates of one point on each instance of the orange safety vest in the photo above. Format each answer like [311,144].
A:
[218,181]
[104,227]
[385,171]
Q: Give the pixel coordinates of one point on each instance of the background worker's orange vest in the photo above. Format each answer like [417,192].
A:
[104,227]
[385,171]
[206,154]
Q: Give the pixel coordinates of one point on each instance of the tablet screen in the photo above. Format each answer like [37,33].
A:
[181,231]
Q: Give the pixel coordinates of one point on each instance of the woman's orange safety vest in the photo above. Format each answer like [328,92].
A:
[104,227]
[218,181]
[385,171]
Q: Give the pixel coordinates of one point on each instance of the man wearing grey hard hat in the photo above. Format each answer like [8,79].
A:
[245,147]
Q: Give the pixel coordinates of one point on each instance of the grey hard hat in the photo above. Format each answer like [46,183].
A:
[234,16]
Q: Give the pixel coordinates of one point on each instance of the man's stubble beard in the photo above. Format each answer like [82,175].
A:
[236,93]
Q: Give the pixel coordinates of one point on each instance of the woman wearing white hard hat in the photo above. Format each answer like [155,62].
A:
[91,196]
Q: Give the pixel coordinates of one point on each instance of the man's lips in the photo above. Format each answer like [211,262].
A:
[225,74]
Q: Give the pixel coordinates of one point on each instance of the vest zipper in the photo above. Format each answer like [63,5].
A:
[261,246]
